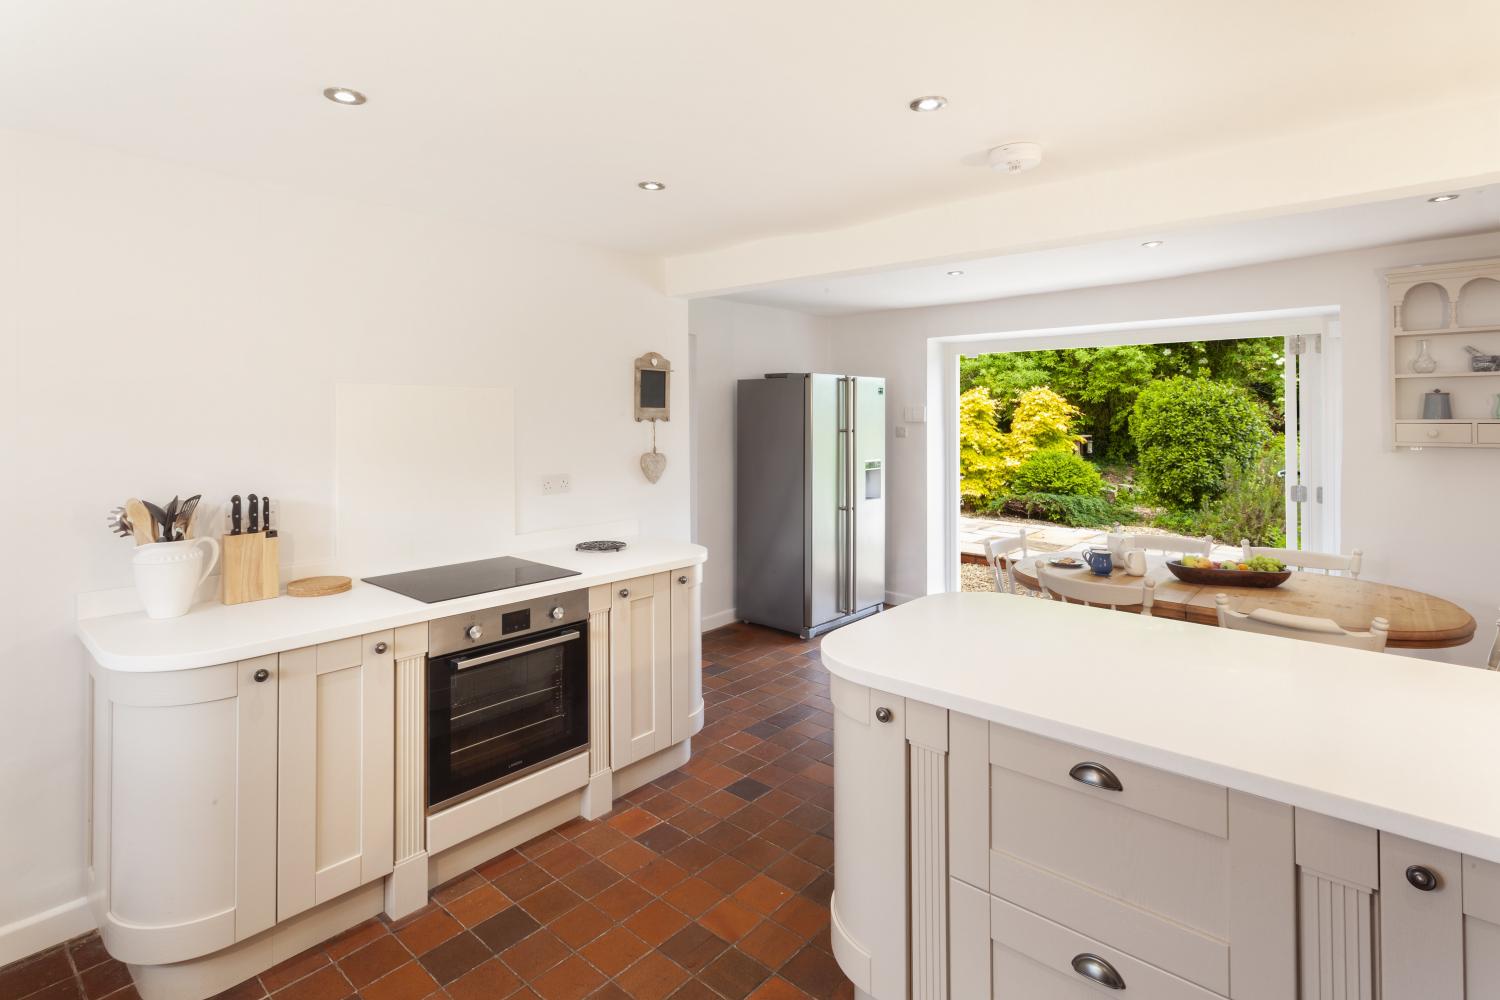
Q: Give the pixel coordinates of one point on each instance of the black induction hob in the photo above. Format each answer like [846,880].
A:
[445,583]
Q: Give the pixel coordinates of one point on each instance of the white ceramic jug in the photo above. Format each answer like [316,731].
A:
[167,574]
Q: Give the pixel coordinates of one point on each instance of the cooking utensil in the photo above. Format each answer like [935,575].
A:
[234,514]
[140,521]
[182,524]
[254,515]
[161,523]
[318,586]
[119,524]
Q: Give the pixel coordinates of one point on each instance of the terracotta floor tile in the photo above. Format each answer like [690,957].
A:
[724,836]
[87,952]
[694,820]
[663,837]
[295,968]
[792,872]
[29,975]
[693,947]
[488,981]
[771,944]
[758,853]
[659,876]
[522,881]
[611,991]
[614,951]
[726,874]
[654,977]
[426,934]
[628,857]
[573,979]
[65,989]
[590,879]
[563,859]
[816,851]
[763,894]
[552,901]
[722,804]
[454,957]
[328,983]
[456,887]
[581,925]
[734,974]
[600,840]
[777,988]
[801,915]
[633,822]
[250,989]
[541,844]
[374,960]
[505,928]
[479,905]
[693,896]
[622,899]
[535,955]
[355,938]
[820,889]
[655,922]
[813,970]
[729,920]
[104,979]
[497,866]
[408,982]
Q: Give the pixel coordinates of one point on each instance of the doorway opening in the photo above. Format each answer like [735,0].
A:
[1216,430]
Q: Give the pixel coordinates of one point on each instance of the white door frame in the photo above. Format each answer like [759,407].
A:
[942,451]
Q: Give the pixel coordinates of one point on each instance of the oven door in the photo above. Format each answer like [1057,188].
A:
[500,711]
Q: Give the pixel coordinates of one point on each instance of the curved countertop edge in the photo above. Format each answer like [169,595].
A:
[213,633]
[1431,800]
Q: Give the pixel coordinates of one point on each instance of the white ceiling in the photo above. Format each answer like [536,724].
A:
[1189,251]
[763,118]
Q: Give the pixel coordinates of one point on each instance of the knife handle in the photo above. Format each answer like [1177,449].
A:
[234,514]
[254,514]
[265,520]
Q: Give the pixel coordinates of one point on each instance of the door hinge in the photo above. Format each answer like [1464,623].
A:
[1297,493]
[1300,344]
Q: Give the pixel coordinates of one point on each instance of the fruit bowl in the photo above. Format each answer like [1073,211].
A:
[1227,577]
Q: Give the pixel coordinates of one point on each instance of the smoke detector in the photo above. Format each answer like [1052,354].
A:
[1014,157]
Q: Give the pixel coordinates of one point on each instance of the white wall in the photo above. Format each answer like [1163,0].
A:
[1424,519]
[166,330]
[731,341]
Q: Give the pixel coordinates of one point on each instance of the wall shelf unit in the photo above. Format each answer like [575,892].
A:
[1431,305]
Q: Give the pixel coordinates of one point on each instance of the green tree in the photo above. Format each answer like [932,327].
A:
[1185,429]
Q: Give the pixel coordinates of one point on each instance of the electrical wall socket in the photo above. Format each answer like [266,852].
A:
[557,482]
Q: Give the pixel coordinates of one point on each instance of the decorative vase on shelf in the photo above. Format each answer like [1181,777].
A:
[1437,405]
[1424,364]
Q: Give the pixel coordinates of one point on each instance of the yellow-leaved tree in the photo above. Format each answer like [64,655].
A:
[1043,421]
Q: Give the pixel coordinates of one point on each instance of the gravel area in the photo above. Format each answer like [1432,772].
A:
[976,578]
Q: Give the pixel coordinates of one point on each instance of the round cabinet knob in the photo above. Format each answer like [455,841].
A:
[682,579]
[474,632]
[624,592]
[381,647]
[262,675]
[1421,877]
[557,613]
[1432,432]
[883,714]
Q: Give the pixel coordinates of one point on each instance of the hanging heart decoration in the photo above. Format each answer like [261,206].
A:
[653,464]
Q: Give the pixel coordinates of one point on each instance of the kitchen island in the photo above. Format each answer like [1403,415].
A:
[1085,801]
[259,773]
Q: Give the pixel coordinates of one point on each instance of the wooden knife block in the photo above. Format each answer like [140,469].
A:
[252,567]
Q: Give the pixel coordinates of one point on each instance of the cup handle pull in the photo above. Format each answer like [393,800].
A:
[1096,775]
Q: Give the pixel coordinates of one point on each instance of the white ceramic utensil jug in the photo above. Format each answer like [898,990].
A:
[167,574]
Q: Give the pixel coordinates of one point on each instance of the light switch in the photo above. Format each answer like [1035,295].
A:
[900,430]
[915,414]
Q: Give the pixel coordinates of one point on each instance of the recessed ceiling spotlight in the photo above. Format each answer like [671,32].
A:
[651,186]
[1442,198]
[1153,243]
[343,95]
[955,274]
[929,103]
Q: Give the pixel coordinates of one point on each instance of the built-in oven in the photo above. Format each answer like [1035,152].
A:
[507,694]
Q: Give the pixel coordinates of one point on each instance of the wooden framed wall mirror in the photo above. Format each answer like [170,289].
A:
[653,387]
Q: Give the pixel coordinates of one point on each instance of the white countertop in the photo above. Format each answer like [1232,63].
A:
[1400,744]
[215,633]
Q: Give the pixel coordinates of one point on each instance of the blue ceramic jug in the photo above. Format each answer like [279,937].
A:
[1100,561]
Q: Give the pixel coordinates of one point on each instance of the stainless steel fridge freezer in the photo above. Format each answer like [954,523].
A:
[809,500]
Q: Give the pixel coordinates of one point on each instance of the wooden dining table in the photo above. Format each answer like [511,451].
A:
[1417,620]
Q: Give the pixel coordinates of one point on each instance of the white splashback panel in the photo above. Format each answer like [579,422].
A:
[425,475]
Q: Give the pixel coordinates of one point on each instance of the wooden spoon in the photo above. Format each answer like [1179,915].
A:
[140,521]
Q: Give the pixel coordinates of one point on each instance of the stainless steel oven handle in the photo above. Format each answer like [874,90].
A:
[506,654]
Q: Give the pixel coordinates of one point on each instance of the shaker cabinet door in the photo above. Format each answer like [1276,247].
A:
[336,795]
[687,652]
[640,636]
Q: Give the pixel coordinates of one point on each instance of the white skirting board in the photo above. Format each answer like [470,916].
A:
[719,619]
[30,935]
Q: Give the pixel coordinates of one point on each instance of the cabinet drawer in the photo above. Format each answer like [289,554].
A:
[1418,433]
[1487,433]
[1033,957]
[1171,797]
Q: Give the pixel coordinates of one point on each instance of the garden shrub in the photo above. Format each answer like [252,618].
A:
[1060,472]
[1063,508]
[1185,430]
[981,466]
[1253,503]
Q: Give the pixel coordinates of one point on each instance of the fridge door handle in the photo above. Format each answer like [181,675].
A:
[852,521]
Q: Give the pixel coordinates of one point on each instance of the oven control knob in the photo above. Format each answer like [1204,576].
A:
[557,613]
[474,632]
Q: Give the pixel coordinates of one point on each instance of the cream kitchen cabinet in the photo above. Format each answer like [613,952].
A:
[182,854]
[655,663]
[336,770]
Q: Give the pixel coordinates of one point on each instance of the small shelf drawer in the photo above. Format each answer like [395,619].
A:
[1419,433]
[1487,433]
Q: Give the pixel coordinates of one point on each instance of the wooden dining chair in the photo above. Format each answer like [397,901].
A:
[1324,630]
[1328,562]
[1072,588]
[1001,554]
[1181,544]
